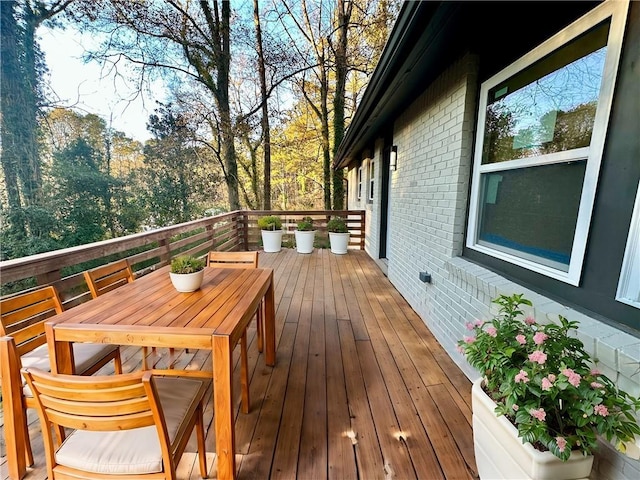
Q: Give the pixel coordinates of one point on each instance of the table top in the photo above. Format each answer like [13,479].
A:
[223,305]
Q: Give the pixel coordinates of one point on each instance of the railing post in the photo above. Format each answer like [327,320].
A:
[244,222]
[165,256]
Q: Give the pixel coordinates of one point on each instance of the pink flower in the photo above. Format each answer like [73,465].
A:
[562,443]
[539,338]
[601,410]
[538,356]
[573,377]
[595,371]
[521,339]
[460,349]
[546,384]
[530,320]
[515,407]
[492,331]
[522,377]
[539,413]
[469,339]
[469,326]
[551,377]
[479,323]
[596,385]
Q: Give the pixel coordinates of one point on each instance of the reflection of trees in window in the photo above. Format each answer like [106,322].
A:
[499,132]
[534,113]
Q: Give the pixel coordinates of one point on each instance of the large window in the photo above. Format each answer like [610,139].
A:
[541,129]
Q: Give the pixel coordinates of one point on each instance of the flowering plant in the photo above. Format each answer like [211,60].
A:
[544,381]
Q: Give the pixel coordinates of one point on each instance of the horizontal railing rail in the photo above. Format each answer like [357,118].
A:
[154,249]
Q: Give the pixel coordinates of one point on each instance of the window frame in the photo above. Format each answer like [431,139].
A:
[616,13]
[629,282]
[359,182]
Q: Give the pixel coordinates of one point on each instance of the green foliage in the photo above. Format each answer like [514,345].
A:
[187,264]
[543,380]
[337,225]
[270,222]
[306,224]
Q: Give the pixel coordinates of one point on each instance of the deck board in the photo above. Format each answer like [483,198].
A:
[361,388]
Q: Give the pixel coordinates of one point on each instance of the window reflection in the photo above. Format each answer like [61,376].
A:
[550,106]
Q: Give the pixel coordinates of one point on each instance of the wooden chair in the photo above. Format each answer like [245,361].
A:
[241,260]
[124,426]
[25,345]
[105,278]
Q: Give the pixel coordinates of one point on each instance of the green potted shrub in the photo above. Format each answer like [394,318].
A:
[539,384]
[338,235]
[305,235]
[187,273]
[271,230]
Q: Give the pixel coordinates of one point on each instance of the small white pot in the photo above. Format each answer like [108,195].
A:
[339,242]
[187,282]
[304,241]
[272,240]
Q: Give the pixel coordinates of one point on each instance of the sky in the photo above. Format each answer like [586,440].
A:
[81,85]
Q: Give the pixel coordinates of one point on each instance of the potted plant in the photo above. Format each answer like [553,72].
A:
[541,385]
[338,235]
[305,235]
[187,273]
[271,229]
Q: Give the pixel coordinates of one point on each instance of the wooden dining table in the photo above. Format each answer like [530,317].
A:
[150,312]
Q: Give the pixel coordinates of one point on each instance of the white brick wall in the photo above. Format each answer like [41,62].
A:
[428,204]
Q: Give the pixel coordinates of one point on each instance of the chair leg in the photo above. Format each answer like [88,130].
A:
[202,449]
[144,358]
[244,373]
[117,363]
[28,452]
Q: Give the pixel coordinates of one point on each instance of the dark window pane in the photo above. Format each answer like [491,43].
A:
[532,212]
[548,107]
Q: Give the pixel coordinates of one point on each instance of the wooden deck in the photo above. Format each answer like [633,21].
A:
[361,389]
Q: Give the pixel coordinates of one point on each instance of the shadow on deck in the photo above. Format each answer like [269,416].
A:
[361,389]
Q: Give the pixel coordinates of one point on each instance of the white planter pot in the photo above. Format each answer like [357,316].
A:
[272,240]
[500,453]
[187,282]
[304,241]
[339,242]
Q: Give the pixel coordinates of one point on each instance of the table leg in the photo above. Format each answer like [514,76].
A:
[223,406]
[60,353]
[15,432]
[270,325]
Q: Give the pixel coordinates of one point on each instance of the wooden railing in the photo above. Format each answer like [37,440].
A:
[150,250]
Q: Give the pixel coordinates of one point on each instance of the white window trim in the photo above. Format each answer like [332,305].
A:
[371,177]
[617,11]
[359,182]
[629,283]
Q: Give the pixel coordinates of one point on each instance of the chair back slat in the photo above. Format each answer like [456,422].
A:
[23,317]
[118,404]
[233,259]
[105,278]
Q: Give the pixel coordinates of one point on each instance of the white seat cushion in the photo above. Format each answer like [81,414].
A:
[131,451]
[84,354]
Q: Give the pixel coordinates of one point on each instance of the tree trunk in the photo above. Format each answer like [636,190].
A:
[344,16]
[266,134]
[10,102]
